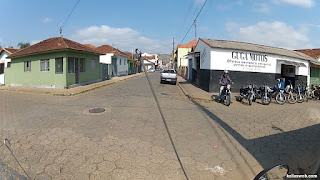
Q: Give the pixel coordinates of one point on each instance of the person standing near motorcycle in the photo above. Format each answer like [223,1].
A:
[224,80]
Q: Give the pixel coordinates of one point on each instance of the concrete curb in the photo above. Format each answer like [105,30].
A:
[74,91]
[190,96]
[98,86]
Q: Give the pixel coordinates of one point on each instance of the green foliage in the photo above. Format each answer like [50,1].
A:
[22,45]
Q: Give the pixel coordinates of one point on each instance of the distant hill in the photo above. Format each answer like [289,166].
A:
[165,58]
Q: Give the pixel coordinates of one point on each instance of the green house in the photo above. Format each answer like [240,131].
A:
[54,63]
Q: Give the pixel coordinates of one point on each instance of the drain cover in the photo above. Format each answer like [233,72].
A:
[97,110]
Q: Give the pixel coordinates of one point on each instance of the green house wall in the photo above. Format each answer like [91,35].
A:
[315,75]
[15,76]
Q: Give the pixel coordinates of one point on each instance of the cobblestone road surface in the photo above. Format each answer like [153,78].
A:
[56,137]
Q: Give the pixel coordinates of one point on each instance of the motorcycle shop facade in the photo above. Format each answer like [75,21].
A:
[246,63]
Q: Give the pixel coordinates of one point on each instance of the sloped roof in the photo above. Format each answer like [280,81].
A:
[224,44]
[315,53]
[8,50]
[190,44]
[56,43]
[104,49]
[90,46]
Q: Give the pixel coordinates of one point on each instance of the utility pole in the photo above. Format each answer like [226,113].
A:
[195,29]
[172,65]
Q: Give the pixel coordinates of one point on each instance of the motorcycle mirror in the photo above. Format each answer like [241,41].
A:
[273,173]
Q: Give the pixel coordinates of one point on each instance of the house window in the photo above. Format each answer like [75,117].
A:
[120,61]
[1,68]
[93,64]
[82,65]
[70,65]
[8,64]
[59,65]
[45,65]
[27,66]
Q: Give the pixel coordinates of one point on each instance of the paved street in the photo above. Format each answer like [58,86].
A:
[56,137]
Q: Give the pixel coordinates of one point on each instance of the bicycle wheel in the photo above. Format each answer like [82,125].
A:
[292,98]
[280,98]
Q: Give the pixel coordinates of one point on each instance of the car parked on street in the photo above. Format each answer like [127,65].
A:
[168,75]
[151,70]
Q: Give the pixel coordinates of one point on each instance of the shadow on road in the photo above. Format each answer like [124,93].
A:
[299,148]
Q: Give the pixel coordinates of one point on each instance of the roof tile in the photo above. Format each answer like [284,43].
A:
[56,43]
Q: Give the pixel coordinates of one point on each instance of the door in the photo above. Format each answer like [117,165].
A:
[114,67]
[77,70]
[105,71]
[190,69]
[198,71]
[289,73]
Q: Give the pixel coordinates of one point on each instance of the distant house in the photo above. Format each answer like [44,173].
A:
[5,62]
[54,63]
[150,60]
[114,57]
[314,65]
[132,63]
[181,57]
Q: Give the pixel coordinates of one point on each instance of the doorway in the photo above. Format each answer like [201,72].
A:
[289,73]
[105,71]
[77,70]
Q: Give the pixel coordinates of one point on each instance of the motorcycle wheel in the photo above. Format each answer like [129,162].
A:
[280,98]
[250,98]
[292,98]
[265,100]
[300,99]
[227,100]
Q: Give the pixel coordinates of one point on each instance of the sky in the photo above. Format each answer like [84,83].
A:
[151,25]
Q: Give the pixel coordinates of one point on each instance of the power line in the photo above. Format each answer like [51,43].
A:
[65,22]
[194,21]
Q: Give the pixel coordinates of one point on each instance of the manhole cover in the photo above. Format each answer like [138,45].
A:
[97,110]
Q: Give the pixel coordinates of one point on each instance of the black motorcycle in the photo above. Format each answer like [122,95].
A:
[226,95]
[247,93]
[265,94]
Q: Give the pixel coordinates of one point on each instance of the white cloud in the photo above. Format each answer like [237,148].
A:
[46,20]
[302,3]
[122,38]
[34,42]
[262,8]
[277,34]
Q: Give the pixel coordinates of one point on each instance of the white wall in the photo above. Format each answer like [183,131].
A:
[205,55]
[237,60]
[106,59]
[3,59]
[123,68]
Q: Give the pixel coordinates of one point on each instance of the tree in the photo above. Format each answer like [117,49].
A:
[22,45]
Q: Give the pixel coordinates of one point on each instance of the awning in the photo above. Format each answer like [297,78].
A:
[292,63]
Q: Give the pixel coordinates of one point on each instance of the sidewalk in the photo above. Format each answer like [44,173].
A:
[196,93]
[71,91]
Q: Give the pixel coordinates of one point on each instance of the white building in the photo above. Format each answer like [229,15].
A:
[114,57]
[4,62]
[246,63]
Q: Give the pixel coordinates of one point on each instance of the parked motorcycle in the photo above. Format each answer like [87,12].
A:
[300,93]
[290,92]
[226,95]
[315,91]
[247,93]
[266,94]
[279,93]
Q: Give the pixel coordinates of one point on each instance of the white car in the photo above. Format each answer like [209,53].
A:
[152,70]
[168,75]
